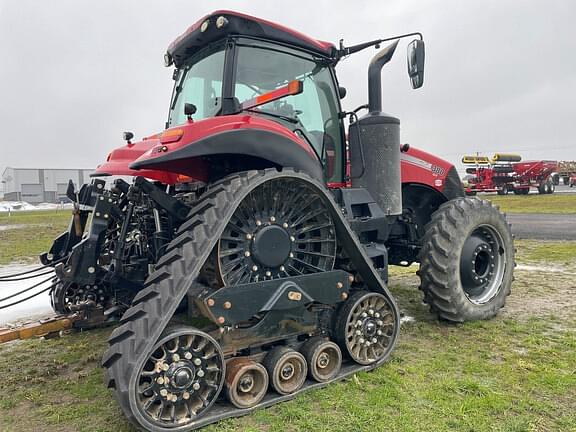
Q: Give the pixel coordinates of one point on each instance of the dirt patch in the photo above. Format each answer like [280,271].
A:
[540,292]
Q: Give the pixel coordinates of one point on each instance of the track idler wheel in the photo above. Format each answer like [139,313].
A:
[323,357]
[246,382]
[365,327]
[287,370]
[179,381]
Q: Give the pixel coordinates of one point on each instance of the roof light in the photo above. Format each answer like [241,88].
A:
[222,21]
[204,26]
[168,60]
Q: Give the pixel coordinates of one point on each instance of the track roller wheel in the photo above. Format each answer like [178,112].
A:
[287,369]
[179,381]
[365,327]
[246,382]
[323,357]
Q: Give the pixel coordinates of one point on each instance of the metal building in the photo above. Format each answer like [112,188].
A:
[37,185]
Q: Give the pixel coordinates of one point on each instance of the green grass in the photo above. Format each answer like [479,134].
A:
[552,252]
[34,233]
[534,203]
[514,373]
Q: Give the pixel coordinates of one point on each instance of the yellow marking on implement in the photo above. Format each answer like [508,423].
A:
[39,328]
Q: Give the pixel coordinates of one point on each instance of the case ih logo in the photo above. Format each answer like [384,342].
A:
[437,170]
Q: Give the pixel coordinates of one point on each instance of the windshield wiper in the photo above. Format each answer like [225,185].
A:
[293,120]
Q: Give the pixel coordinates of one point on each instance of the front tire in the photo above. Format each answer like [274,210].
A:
[467,260]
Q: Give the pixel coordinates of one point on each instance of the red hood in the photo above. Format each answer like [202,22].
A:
[119,159]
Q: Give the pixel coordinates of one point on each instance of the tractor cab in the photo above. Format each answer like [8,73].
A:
[247,75]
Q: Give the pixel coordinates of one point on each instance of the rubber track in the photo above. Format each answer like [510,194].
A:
[154,306]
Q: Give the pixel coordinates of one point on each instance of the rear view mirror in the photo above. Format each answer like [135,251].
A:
[416,63]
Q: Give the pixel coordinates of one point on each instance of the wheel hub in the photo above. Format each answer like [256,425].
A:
[271,246]
[323,360]
[287,371]
[481,265]
[246,383]
[181,375]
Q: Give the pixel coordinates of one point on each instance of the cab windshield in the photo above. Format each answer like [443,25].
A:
[199,83]
[313,113]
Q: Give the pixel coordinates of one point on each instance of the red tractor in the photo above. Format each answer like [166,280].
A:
[243,263]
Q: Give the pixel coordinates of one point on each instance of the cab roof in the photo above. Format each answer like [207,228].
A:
[193,39]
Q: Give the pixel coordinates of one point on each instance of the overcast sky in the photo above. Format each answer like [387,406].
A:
[500,75]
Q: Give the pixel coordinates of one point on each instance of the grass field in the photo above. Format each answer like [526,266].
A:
[535,203]
[514,373]
[25,234]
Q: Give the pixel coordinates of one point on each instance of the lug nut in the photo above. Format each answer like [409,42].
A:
[268,274]
[164,392]
[185,395]
[377,315]
[160,380]
[282,268]
[227,305]
[292,238]
[248,236]
[361,340]
[358,332]
[363,315]
[350,278]
[379,323]
[200,373]
[255,268]
[188,356]
[291,255]
[284,225]
[374,340]
[258,223]
[221,320]
[197,362]
[195,386]
[339,285]
[247,253]
[210,302]
[176,357]
[379,332]
[371,312]
[272,219]
[344,296]
[165,366]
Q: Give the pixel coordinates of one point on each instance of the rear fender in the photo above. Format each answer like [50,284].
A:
[258,144]
[424,169]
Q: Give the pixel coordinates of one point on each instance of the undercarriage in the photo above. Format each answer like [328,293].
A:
[252,282]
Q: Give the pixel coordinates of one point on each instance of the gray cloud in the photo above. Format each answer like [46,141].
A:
[500,74]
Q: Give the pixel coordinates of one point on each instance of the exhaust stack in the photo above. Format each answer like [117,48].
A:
[375,144]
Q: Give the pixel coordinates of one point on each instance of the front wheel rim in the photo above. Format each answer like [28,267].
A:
[482,264]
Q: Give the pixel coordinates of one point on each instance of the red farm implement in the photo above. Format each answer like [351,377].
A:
[506,173]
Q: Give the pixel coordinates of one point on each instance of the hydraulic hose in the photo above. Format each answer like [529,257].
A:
[26,290]
[26,277]
[34,270]
[29,297]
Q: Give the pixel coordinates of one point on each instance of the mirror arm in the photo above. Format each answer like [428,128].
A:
[345,51]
